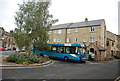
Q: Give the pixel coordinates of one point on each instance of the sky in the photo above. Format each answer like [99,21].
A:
[67,11]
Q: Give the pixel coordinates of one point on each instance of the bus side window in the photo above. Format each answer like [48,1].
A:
[53,49]
[62,49]
[80,50]
[67,50]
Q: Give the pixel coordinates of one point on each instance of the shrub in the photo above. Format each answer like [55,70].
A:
[21,58]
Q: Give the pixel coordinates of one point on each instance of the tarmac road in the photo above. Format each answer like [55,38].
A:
[65,70]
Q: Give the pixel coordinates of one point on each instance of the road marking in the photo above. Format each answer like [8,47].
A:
[26,66]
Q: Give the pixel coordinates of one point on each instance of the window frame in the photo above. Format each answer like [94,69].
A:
[92,39]
[76,30]
[92,29]
[59,31]
[68,40]
[76,40]
[68,30]
[54,40]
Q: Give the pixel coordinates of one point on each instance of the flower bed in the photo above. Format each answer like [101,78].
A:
[22,58]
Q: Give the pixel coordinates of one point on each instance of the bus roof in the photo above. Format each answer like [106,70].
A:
[64,44]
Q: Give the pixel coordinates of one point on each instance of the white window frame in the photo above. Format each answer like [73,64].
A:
[49,32]
[92,29]
[59,31]
[48,40]
[59,40]
[76,30]
[68,40]
[54,40]
[76,40]
[68,30]
[92,39]
[84,39]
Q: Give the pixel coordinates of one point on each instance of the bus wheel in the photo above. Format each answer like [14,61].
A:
[66,58]
[41,55]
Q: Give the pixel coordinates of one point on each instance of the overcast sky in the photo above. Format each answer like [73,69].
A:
[67,11]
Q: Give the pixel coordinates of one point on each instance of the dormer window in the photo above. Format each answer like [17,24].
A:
[92,29]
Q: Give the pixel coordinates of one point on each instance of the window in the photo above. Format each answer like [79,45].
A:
[67,49]
[68,40]
[84,39]
[68,30]
[76,40]
[107,43]
[60,49]
[48,40]
[112,43]
[49,32]
[91,39]
[76,30]
[72,50]
[55,31]
[59,31]
[54,40]
[92,29]
[59,40]
[54,49]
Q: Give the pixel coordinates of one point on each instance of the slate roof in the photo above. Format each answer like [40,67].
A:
[79,24]
[61,26]
[7,33]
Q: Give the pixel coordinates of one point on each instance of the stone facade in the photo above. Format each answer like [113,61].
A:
[92,33]
[7,41]
[1,36]
[112,44]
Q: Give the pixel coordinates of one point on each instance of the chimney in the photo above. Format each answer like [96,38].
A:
[86,19]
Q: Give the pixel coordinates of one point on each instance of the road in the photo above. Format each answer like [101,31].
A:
[65,70]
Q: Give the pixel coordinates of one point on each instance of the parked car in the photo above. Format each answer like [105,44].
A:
[17,50]
[8,48]
[2,49]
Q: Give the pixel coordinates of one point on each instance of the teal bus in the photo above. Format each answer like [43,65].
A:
[67,52]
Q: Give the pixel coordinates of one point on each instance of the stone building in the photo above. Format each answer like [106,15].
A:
[7,41]
[92,33]
[118,44]
[1,36]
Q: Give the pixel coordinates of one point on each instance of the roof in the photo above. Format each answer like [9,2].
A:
[7,33]
[100,48]
[79,24]
[61,26]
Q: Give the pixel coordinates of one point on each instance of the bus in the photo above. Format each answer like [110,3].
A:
[67,52]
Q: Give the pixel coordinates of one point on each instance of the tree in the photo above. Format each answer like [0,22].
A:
[33,22]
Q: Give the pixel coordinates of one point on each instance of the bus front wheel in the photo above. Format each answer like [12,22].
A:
[66,58]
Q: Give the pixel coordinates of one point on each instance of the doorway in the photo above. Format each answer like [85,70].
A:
[92,50]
